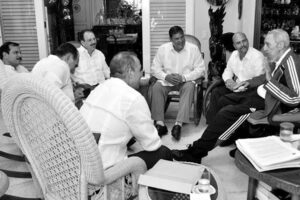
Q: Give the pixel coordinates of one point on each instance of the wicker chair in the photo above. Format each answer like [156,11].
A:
[54,137]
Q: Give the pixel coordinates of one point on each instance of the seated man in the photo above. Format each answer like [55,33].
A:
[243,64]
[19,175]
[176,64]
[57,68]
[281,85]
[119,112]
[92,68]
[11,56]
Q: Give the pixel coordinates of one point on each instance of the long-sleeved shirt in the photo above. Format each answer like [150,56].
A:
[250,66]
[57,72]
[119,113]
[188,62]
[92,69]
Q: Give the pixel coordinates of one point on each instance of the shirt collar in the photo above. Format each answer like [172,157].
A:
[82,49]
[247,56]
[10,67]
[174,51]
[283,55]
[280,60]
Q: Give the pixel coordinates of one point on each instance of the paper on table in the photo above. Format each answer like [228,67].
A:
[269,153]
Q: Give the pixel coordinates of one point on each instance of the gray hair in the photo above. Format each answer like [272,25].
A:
[122,62]
[281,36]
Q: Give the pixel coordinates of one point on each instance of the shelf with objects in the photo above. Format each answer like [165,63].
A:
[113,38]
[272,14]
[119,29]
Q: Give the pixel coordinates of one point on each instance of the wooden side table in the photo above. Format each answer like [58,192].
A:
[4,183]
[285,179]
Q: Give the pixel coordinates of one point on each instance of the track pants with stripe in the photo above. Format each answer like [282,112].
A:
[234,109]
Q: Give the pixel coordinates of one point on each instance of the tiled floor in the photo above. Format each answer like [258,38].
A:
[235,182]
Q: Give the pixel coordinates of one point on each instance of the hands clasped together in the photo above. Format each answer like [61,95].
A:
[175,79]
[237,87]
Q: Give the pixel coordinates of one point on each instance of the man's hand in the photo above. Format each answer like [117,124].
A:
[241,86]
[78,93]
[230,84]
[268,69]
[174,79]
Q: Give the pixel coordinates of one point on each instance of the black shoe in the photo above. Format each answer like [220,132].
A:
[131,142]
[185,155]
[228,142]
[176,132]
[161,130]
[232,152]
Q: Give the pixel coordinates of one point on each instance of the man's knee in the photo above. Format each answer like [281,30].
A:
[227,109]
[157,87]
[188,85]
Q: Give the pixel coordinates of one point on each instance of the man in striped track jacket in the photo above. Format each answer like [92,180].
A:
[279,88]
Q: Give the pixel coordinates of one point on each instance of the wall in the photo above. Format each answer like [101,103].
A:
[231,22]
[86,18]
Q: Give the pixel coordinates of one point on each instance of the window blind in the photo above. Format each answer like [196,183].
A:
[163,15]
[18,23]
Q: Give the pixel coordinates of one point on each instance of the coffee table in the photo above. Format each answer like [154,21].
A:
[285,179]
[149,193]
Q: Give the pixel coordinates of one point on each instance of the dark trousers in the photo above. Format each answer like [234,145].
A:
[213,109]
[233,106]
[152,157]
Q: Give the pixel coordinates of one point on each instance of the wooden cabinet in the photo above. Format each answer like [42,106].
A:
[272,14]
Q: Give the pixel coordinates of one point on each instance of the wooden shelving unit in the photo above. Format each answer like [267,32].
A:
[271,14]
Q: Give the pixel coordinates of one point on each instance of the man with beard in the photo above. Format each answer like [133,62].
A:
[280,87]
[176,66]
[243,64]
[232,109]
[92,68]
[11,56]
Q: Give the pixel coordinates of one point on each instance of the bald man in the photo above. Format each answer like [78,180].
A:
[243,64]
[235,105]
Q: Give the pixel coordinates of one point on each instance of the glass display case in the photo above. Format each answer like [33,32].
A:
[272,14]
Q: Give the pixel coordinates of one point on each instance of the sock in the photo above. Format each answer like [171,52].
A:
[160,123]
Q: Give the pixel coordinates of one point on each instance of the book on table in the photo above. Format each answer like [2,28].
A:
[172,176]
[269,153]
